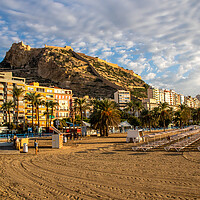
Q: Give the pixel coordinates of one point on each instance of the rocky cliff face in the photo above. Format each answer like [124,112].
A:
[63,67]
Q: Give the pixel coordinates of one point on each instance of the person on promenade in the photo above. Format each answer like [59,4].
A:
[36,147]
[15,141]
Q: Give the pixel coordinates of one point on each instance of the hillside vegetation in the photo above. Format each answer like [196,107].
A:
[65,68]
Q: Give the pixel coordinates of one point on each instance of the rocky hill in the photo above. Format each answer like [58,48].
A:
[65,68]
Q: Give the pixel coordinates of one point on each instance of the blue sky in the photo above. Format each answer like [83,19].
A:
[158,39]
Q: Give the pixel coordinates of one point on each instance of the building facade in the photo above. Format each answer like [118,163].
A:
[61,96]
[7,84]
[122,97]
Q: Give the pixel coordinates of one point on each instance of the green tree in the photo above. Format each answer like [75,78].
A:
[130,107]
[164,113]
[53,105]
[32,98]
[81,105]
[147,118]
[138,107]
[47,113]
[105,114]
[7,106]
[17,92]
[38,102]
[183,115]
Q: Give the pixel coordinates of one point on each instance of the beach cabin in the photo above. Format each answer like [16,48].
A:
[134,136]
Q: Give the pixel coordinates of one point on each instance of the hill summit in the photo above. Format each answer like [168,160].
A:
[63,67]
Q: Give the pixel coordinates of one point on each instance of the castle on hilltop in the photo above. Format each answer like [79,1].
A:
[55,47]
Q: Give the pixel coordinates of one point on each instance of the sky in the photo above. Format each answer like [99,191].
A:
[157,39]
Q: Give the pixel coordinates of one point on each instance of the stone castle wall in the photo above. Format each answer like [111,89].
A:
[55,47]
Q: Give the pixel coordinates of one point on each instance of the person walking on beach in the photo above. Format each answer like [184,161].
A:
[15,141]
[36,147]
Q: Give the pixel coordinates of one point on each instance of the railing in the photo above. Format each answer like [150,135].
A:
[56,130]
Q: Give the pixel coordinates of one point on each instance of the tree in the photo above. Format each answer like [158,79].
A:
[81,105]
[7,106]
[130,107]
[183,114]
[17,92]
[38,102]
[47,113]
[147,118]
[32,98]
[138,107]
[53,105]
[164,114]
[104,115]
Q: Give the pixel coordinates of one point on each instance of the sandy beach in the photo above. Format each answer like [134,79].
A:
[100,168]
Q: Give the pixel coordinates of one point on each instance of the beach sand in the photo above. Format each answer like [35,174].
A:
[100,168]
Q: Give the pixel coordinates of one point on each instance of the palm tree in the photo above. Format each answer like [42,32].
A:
[7,106]
[38,102]
[164,114]
[156,115]
[52,106]
[81,105]
[147,118]
[47,113]
[17,92]
[105,114]
[130,107]
[138,106]
[184,114]
[32,98]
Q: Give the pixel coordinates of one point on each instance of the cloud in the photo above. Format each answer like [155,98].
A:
[158,37]
[150,76]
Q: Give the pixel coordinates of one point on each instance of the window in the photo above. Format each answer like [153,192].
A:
[49,95]
[29,88]
[63,97]
[49,90]
[40,89]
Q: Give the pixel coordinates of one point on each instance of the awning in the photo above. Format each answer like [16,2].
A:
[124,124]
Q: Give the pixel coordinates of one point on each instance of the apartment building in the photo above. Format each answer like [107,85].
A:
[7,83]
[122,97]
[161,96]
[153,93]
[167,96]
[62,96]
[149,104]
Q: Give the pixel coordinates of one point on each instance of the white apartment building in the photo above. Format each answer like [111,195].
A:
[161,96]
[167,96]
[122,97]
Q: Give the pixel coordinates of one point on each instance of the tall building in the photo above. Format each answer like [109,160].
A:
[167,96]
[153,93]
[122,97]
[7,83]
[161,96]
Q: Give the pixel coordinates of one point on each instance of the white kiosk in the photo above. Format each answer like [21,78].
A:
[134,136]
[57,141]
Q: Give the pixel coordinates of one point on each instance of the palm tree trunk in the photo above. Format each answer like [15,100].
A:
[9,119]
[38,116]
[164,125]
[81,116]
[32,116]
[51,116]
[17,112]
